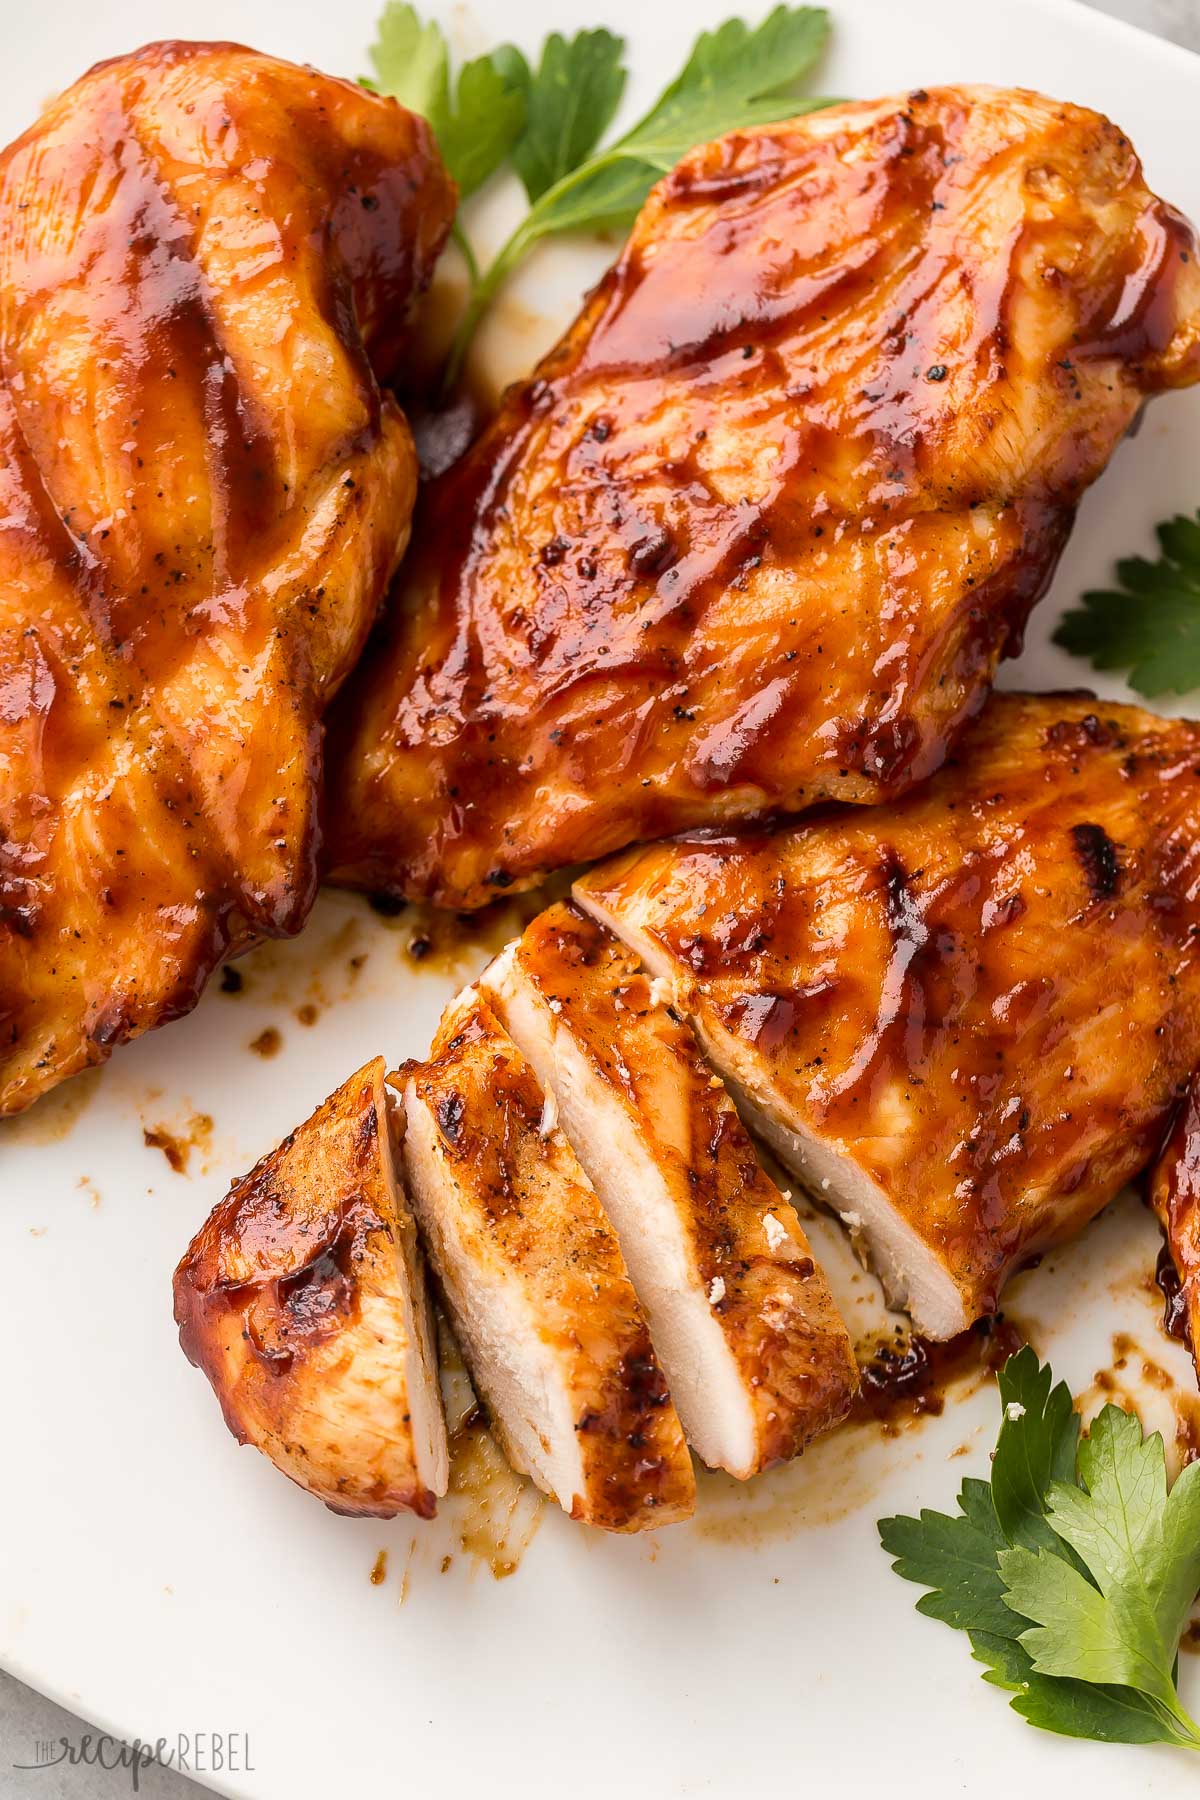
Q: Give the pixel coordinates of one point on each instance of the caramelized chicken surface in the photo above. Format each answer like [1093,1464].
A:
[535,1284]
[1174,1195]
[755,1352]
[758,530]
[207,258]
[303,1300]
[962,1020]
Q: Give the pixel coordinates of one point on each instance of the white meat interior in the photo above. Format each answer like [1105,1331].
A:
[706,1384]
[912,1276]
[515,1373]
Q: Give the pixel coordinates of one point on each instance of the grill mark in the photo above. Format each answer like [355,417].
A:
[450,1110]
[117,278]
[1078,736]
[243,471]
[42,521]
[334,299]
[1097,855]
[177,322]
[64,734]
[901,1007]
[165,336]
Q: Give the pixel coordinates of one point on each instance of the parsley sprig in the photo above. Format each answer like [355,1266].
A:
[1072,1571]
[548,120]
[1150,623]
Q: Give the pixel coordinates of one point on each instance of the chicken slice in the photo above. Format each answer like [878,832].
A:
[757,1356]
[303,1299]
[963,1019]
[759,529]
[1174,1194]
[535,1284]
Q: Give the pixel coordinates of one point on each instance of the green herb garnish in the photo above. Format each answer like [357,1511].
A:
[548,121]
[570,99]
[476,122]
[1072,1571]
[1150,624]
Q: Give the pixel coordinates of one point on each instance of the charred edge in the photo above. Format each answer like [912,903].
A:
[901,908]
[895,891]
[450,1111]
[630,1413]
[1087,733]
[1098,859]
[1175,1319]
[318,1299]
[888,748]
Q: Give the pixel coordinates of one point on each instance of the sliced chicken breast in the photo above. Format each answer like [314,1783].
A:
[962,1019]
[535,1283]
[1174,1194]
[303,1299]
[749,1338]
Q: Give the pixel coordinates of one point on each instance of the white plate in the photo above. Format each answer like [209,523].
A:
[159,1580]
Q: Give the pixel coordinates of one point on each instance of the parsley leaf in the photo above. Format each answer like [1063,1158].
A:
[1150,625]
[956,1557]
[1039,1430]
[1119,1624]
[738,75]
[605,199]
[478,120]
[487,118]
[1072,1572]
[411,60]
[735,76]
[1069,1708]
[570,104]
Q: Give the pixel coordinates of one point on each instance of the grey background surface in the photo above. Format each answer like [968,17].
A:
[26,1718]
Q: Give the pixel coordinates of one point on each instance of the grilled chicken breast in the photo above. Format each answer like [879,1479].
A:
[303,1299]
[961,1020]
[535,1284]
[1174,1194]
[758,530]
[757,1358]
[207,258]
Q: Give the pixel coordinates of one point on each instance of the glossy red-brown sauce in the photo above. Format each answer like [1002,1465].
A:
[176,1145]
[160,696]
[285,1314]
[908,1376]
[1175,1307]
[269,1300]
[929,984]
[588,610]
[279,1252]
